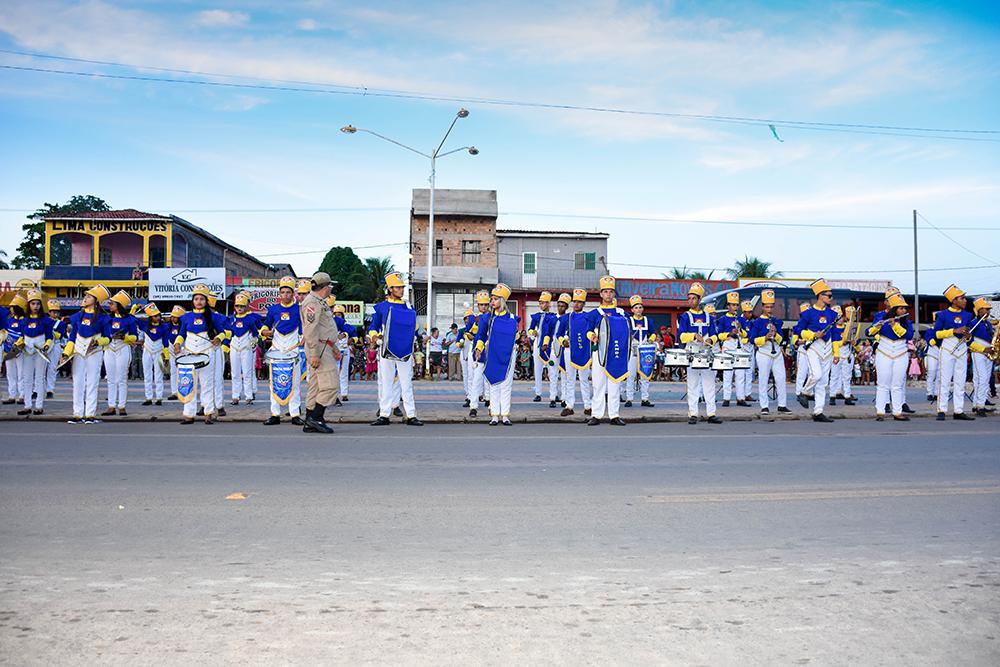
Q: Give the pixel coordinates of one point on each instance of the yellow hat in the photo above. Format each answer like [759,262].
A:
[837,309]
[18,301]
[746,306]
[286,281]
[331,301]
[212,301]
[580,295]
[339,308]
[733,297]
[242,299]
[202,289]
[803,307]
[767,296]
[849,310]
[501,291]
[565,298]
[697,289]
[482,297]
[895,301]
[151,310]
[545,296]
[468,311]
[122,298]
[635,300]
[710,309]
[819,286]
[607,282]
[890,290]
[303,287]
[33,295]
[953,292]
[394,279]
[177,311]
[53,304]
[981,302]
[99,292]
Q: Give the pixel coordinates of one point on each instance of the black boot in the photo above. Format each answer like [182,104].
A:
[315,422]
[907,409]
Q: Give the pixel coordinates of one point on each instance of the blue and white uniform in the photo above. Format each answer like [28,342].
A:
[732,330]
[700,381]
[982,366]
[954,357]
[15,388]
[473,371]
[286,326]
[801,361]
[122,331]
[499,391]
[640,333]
[820,354]
[155,341]
[541,329]
[36,331]
[607,390]
[196,333]
[88,335]
[770,359]
[58,340]
[242,331]
[345,333]
[572,333]
[932,361]
[399,361]
[891,361]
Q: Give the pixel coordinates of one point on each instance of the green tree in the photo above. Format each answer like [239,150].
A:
[31,252]
[347,272]
[3,261]
[752,267]
[684,273]
[375,270]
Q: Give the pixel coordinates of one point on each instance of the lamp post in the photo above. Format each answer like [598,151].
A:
[433,157]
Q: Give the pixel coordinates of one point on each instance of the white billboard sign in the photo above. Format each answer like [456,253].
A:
[858,285]
[176,284]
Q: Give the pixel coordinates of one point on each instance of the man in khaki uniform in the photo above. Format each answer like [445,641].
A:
[319,333]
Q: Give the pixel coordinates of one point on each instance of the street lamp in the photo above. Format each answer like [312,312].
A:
[432,156]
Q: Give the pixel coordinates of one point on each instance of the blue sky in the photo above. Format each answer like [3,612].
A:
[185,149]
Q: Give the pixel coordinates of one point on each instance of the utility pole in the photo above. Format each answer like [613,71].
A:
[916,278]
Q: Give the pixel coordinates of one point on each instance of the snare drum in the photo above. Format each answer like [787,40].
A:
[194,359]
[722,362]
[675,356]
[280,355]
[701,359]
[741,358]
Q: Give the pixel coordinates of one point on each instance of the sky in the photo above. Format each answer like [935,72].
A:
[269,171]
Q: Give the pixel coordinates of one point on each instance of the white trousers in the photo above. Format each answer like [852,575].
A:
[15,389]
[388,369]
[540,367]
[242,372]
[51,373]
[476,382]
[801,370]
[701,384]
[218,383]
[633,372]
[738,377]
[205,377]
[86,378]
[768,366]
[173,372]
[500,393]
[890,376]
[819,374]
[569,386]
[33,369]
[841,377]
[933,365]
[467,369]
[982,368]
[345,372]
[953,374]
[116,363]
[152,375]
[607,392]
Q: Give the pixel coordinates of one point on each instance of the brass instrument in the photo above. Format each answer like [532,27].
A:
[994,355]
[771,331]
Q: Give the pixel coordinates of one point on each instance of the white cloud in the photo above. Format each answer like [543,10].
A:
[220,18]
[733,159]
[307,24]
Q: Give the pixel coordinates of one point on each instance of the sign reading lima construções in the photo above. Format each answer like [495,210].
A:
[176,284]
[102,226]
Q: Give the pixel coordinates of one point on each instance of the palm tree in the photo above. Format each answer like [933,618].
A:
[752,267]
[374,274]
[684,273]
[3,261]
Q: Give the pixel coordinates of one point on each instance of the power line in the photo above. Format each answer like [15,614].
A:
[963,247]
[858,128]
[316,252]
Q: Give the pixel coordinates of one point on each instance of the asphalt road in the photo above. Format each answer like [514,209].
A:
[748,543]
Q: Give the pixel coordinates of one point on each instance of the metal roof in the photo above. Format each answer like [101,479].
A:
[552,234]
[480,203]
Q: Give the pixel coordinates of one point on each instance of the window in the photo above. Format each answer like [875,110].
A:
[157,257]
[530,262]
[585,261]
[470,252]
[438,252]
[104,257]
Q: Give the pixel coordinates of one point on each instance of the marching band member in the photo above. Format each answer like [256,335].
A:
[464,351]
[932,361]
[833,382]
[843,373]
[241,330]
[218,365]
[346,333]
[640,332]
[320,337]
[892,357]
[732,330]
[201,331]
[173,331]
[123,333]
[474,369]
[821,347]
[696,330]
[541,329]
[801,362]
[495,343]
[88,329]
[36,338]
[58,340]
[283,326]
[746,307]
[15,388]
[606,377]
[572,335]
[765,331]
[982,365]
[563,305]
[952,329]
[155,343]
[394,324]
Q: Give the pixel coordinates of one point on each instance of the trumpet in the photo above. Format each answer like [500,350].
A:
[771,331]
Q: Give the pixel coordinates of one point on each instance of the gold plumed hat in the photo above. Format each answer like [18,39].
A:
[53,304]
[286,281]
[303,287]
[767,296]
[33,295]
[339,308]
[746,306]
[565,298]
[177,311]
[819,286]
[99,292]
[545,296]
[19,301]
[501,291]
[953,292]
[122,298]
[981,302]
[394,279]
[697,289]
[482,297]
[607,282]
[242,299]
[733,297]
[895,301]
[635,300]
[580,295]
